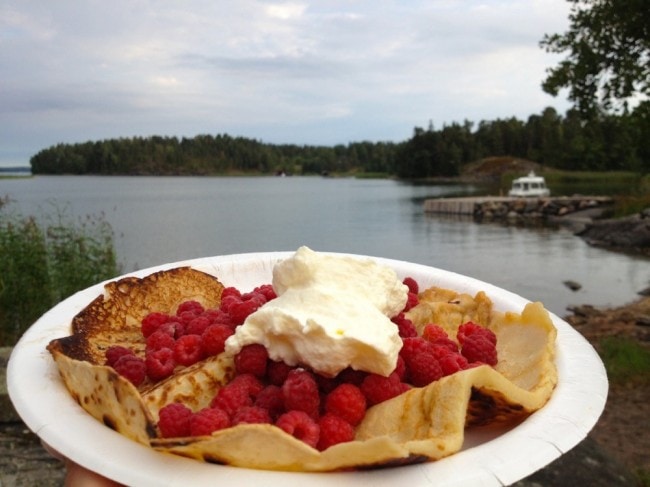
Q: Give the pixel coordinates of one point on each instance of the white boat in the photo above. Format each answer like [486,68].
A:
[529,186]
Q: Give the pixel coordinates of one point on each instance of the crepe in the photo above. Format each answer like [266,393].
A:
[421,424]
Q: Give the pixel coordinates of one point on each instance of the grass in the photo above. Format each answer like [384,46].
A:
[625,359]
[627,363]
[43,261]
[643,477]
[631,204]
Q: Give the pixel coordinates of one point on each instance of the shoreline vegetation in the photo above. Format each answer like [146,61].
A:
[568,142]
[45,260]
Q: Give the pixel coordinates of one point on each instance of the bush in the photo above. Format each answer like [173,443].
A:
[42,263]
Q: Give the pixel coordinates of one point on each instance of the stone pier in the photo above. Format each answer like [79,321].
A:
[510,208]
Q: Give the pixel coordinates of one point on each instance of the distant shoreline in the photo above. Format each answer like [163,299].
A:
[15,171]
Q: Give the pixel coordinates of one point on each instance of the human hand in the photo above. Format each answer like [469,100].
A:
[78,476]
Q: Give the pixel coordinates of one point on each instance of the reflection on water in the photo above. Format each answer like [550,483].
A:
[165,219]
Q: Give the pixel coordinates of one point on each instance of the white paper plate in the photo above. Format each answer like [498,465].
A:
[488,458]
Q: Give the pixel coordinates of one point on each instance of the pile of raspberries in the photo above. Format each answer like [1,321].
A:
[321,411]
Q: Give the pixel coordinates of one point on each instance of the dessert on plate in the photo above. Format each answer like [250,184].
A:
[337,364]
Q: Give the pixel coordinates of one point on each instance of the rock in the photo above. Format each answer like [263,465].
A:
[23,460]
[631,232]
[642,321]
[573,285]
[582,310]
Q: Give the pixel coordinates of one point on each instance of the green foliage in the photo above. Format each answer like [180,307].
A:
[608,48]
[208,155]
[629,205]
[603,143]
[622,184]
[643,477]
[44,263]
[625,359]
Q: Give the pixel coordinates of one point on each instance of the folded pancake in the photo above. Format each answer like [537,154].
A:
[421,424]
[114,318]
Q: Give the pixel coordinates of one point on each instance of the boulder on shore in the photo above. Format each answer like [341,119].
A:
[628,233]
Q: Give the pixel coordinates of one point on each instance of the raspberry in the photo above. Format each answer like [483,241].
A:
[114,352]
[277,372]
[333,430]
[451,363]
[192,306]
[251,415]
[159,339]
[238,393]
[421,363]
[412,300]
[218,316]
[208,420]
[213,339]
[174,420]
[251,384]
[300,392]
[230,399]
[270,398]
[187,350]
[478,344]
[378,388]
[405,326]
[467,329]
[400,367]
[185,317]
[230,291]
[254,296]
[431,332]
[131,368]
[198,325]
[411,284]
[267,291]
[239,311]
[160,364]
[152,321]
[174,328]
[413,346]
[252,359]
[169,327]
[347,402]
[301,426]
[229,300]
[436,335]
[479,348]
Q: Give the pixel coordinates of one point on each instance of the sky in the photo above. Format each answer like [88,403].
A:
[322,72]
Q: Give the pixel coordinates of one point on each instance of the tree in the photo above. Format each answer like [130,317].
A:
[608,62]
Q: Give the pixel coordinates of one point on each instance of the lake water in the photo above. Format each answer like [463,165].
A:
[166,219]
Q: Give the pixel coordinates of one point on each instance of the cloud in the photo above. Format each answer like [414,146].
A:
[321,72]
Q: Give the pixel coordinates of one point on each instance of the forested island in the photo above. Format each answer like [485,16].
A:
[565,142]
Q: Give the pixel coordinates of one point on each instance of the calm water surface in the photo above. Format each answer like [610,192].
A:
[166,219]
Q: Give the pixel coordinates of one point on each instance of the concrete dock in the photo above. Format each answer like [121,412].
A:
[497,207]
[462,205]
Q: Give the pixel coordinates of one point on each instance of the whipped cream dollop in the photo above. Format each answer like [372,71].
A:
[332,312]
